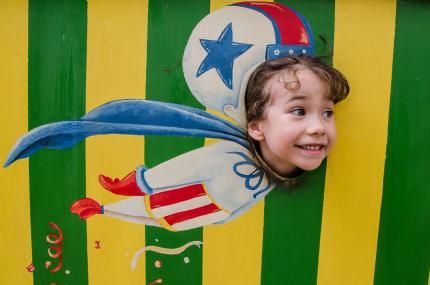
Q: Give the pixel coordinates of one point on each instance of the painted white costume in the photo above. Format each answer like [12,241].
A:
[212,184]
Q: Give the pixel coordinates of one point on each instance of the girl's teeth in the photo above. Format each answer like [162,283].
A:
[312,147]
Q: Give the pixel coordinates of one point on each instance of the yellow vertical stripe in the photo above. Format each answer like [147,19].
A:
[15,235]
[116,69]
[363,51]
[232,252]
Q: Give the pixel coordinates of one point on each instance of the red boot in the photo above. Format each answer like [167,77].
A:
[126,187]
[86,208]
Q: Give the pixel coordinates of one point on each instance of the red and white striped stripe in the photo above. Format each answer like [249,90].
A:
[184,208]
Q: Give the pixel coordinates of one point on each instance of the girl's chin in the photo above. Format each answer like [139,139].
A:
[310,166]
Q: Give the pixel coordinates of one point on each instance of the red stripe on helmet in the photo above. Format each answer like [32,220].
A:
[291,27]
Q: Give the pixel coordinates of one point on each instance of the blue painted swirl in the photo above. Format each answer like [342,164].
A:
[253,180]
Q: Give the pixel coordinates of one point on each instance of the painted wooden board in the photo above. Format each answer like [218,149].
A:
[361,218]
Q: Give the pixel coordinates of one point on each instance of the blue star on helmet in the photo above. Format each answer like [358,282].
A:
[221,55]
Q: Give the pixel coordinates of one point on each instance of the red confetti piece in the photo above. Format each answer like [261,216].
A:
[31,267]
[97,244]
[54,251]
[57,238]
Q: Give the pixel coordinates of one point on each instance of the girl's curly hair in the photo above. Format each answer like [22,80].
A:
[256,95]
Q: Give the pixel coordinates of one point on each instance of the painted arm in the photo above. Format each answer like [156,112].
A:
[196,166]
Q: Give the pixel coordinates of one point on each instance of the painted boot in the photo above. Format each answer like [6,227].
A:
[126,186]
[86,208]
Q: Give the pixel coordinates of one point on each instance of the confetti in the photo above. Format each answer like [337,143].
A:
[186,259]
[156,281]
[157,263]
[162,250]
[97,244]
[67,271]
[54,251]
[31,267]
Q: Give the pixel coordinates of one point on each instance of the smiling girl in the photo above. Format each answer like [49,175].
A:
[290,114]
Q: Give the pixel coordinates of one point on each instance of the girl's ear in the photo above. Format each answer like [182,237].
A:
[255,131]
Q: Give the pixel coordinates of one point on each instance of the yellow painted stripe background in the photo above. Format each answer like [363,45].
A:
[15,235]
[232,252]
[116,69]
[363,51]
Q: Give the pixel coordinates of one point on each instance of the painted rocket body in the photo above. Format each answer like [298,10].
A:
[213,184]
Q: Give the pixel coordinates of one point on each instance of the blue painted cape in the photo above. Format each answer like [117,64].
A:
[130,117]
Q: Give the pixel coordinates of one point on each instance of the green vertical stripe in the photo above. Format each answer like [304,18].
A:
[169,26]
[56,91]
[403,255]
[292,219]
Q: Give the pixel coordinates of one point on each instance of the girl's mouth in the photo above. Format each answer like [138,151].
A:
[311,147]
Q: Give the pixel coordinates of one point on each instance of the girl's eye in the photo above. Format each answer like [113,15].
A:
[298,112]
[328,113]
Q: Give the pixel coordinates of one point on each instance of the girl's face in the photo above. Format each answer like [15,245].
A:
[298,128]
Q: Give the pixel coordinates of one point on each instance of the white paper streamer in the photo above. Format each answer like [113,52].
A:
[162,250]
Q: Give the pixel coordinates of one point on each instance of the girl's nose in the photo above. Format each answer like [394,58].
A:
[316,126]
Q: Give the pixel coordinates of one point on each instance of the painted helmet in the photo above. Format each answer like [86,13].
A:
[226,46]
